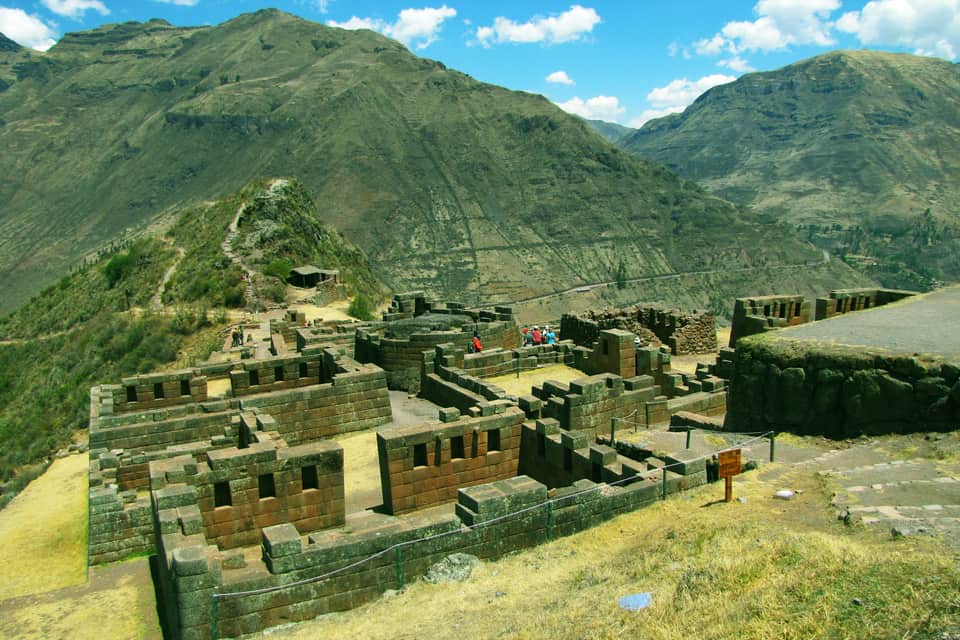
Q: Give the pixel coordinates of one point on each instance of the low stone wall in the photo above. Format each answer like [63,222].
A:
[155,430]
[278,373]
[683,332]
[424,465]
[614,351]
[840,392]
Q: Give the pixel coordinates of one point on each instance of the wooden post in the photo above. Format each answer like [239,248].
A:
[728,489]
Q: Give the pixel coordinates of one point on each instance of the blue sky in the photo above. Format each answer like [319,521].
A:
[624,61]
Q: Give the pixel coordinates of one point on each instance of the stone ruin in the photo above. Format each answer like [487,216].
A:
[245,492]
[684,333]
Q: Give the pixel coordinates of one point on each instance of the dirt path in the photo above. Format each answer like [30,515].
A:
[157,301]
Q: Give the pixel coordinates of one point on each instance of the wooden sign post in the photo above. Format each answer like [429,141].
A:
[729,467]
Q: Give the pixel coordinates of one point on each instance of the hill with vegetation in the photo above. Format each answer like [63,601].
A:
[611,131]
[103,322]
[463,189]
[859,149]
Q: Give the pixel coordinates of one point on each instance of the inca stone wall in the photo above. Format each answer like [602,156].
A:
[424,465]
[192,573]
[400,357]
[683,332]
[764,313]
[841,392]
[846,300]
[260,486]
[588,404]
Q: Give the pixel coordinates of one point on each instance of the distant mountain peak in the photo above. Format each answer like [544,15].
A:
[8,45]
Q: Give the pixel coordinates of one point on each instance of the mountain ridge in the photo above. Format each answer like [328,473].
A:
[499,194]
[864,140]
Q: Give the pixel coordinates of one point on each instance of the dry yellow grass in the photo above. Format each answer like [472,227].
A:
[521,386]
[43,532]
[117,610]
[218,388]
[361,470]
[764,569]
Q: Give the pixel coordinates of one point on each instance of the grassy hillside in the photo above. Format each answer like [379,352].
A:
[464,189]
[856,148]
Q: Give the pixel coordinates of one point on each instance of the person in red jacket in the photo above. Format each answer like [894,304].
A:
[537,338]
[477,347]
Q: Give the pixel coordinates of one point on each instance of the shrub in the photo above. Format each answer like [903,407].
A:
[361,307]
[278,269]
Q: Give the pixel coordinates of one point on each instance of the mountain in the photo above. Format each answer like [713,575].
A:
[860,148]
[7,45]
[464,189]
[612,131]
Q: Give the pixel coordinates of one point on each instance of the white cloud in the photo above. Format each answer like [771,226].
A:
[573,24]
[736,63]
[560,77]
[779,24]
[596,108]
[420,27]
[321,5]
[674,97]
[75,8]
[28,30]
[930,27]
[182,3]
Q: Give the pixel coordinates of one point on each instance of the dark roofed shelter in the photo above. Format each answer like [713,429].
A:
[309,276]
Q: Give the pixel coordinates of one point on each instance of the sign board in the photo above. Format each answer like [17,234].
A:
[729,463]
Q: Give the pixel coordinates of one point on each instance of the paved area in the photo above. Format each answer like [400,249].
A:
[921,324]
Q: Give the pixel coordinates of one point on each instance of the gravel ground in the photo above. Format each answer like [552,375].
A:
[923,324]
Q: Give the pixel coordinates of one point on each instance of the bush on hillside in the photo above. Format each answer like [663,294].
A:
[361,307]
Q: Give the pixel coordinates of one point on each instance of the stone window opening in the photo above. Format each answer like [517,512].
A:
[493,440]
[456,447]
[266,486]
[221,494]
[158,390]
[308,478]
[278,374]
[184,387]
[304,373]
[796,309]
[420,455]
[131,394]
[782,310]
[254,377]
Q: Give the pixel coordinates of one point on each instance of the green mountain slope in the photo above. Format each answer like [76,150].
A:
[855,146]
[612,131]
[460,188]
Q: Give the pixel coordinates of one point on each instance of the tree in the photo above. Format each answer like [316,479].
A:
[621,277]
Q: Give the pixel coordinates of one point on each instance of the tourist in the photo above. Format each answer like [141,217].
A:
[551,336]
[235,341]
[475,343]
[537,337]
[527,337]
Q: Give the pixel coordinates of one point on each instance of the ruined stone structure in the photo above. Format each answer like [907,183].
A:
[764,313]
[321,394]
[893,370]
[683,332]
[396,346]
[424,465]
[243,494]
[847,300]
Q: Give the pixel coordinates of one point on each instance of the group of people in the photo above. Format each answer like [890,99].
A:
[237,337]
[536,336]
